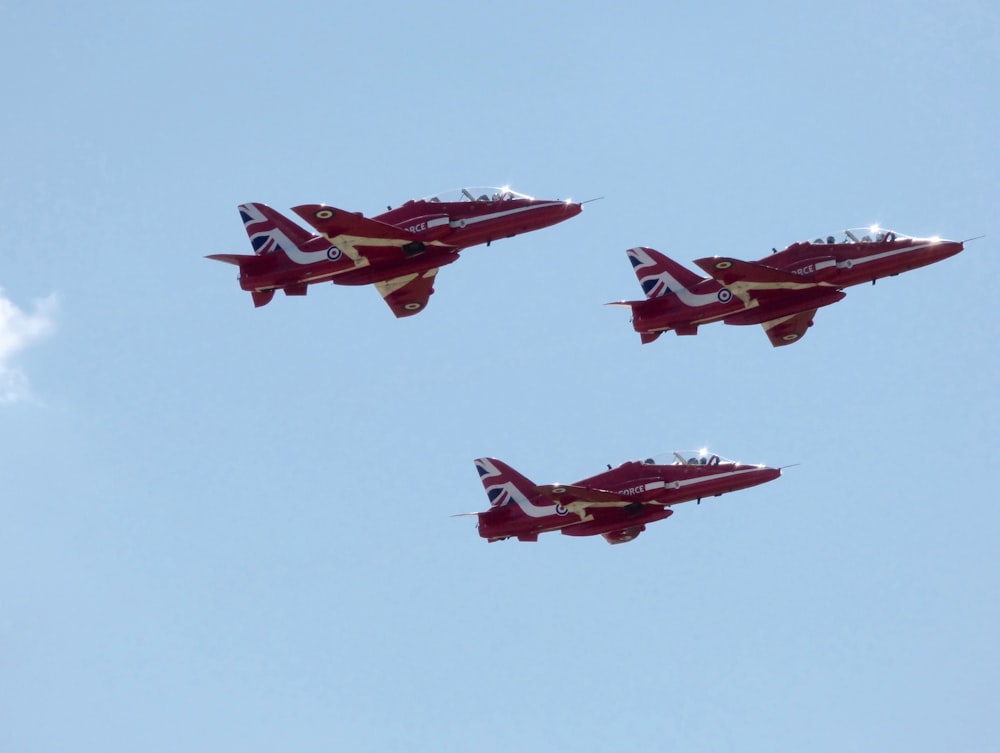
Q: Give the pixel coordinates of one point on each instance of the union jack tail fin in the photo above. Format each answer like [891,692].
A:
[270,231]
[660,275]
[503,484]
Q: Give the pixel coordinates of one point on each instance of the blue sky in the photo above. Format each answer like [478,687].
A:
[228,529]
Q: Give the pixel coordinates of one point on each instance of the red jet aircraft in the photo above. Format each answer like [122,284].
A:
[616,503]
[399,251]
[781,291]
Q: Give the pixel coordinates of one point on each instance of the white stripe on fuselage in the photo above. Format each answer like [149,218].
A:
[504,213]
[722,474]
[653,486]
[884,255]
[580,507]
[744,289]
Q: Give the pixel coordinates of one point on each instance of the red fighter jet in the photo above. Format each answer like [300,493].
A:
[616,503]
[399,251]
[781,292]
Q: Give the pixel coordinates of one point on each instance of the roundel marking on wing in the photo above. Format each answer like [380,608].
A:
[723,264]
[324,214]
[725,295]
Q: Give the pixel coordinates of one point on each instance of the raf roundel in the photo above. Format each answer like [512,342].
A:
[333,253]
[723,264]
[413,306]
[725,295]
[324,214]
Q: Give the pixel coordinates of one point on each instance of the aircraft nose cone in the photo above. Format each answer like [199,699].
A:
[763,474]
[942,249]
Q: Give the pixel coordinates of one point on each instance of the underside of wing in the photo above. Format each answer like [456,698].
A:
[408,295]
[789,329]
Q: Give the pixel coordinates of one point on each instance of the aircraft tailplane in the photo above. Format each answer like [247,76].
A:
[248,264]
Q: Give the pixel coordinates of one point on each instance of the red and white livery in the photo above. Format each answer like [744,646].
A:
[399,251]
[616,503]
[780,292]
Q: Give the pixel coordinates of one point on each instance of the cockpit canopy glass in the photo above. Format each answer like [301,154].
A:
[477,193]
[872,234]
[703,456]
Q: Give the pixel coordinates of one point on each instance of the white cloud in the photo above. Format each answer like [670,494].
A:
[18,330]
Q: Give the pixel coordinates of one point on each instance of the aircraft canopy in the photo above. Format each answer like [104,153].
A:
[686,457]
[477,193]
[872,234]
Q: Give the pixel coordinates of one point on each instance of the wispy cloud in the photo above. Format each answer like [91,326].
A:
[18,330]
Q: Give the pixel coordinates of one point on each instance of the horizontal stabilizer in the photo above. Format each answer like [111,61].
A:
[728,271]
[237,259]
[333,222]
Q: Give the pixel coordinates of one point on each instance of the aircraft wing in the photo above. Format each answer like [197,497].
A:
[750,274]
[789,329]
[581,496]
[408,295]
[331,222]
[354,234]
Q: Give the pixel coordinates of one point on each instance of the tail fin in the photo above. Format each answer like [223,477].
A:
[658,274]
[270,231]
[503,484]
